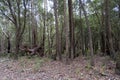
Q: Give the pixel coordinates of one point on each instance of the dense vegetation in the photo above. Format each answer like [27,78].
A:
[61,29]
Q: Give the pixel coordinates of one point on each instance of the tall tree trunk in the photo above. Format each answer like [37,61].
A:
[19,27]
[66,25]
[33,25]
[103,34]
[90,35]
[109,42]
[61,36]
[43,41]
[72,43]
[29,35]
[49,46]
[34,32]
[81,32]
[58,49]
[44,27]
[17,44]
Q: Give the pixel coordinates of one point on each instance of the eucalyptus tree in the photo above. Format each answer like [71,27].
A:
[81,30]
[44,23]
[34,23]
[5,31]
[90,34]
[15,11]
[72,41]
[66,25]
[109,42]
[58,41]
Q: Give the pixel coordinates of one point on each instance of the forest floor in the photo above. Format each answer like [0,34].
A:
[47,69]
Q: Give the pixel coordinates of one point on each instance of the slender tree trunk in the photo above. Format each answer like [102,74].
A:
[33,25]
[108,29]
[82,32]
[2,44]
[103,34]
[66,25]
[44,36]
[49,41]
[17,44]
[34,32]
[90,35]
[8,45]
[44,27]
[72,42]
[29,36]
[58,49]
[18,29]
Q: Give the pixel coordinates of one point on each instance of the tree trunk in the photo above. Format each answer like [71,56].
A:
[66,25]
[8,45]
[81,32]
[33,25]
[44,27]
[90,35]
[58,49]
[34,32]
[72,42]
[109,43]
[2,43]
[103,34]
[49,41]
[17,44]
[117,69]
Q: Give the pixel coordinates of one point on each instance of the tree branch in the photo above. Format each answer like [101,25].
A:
[11,11]
[7,17]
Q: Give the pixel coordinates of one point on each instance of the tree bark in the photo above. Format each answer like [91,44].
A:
[109,43]
[58,49]
[44,27]
[103,34]
[81,32]
[90,35]
[2,43]
[33,25]
[34,31]
[66,25]
[17,43]
[72,41]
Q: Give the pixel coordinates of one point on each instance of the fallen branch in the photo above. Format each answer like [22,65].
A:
[33,51]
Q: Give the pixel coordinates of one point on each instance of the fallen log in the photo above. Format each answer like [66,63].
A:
[33,51]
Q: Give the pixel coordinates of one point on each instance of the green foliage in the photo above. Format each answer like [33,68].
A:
[60,7]
[93,7]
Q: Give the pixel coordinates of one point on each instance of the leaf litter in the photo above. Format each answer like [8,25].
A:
[47,69]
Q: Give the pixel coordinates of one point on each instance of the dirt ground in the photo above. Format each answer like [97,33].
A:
[46,69]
